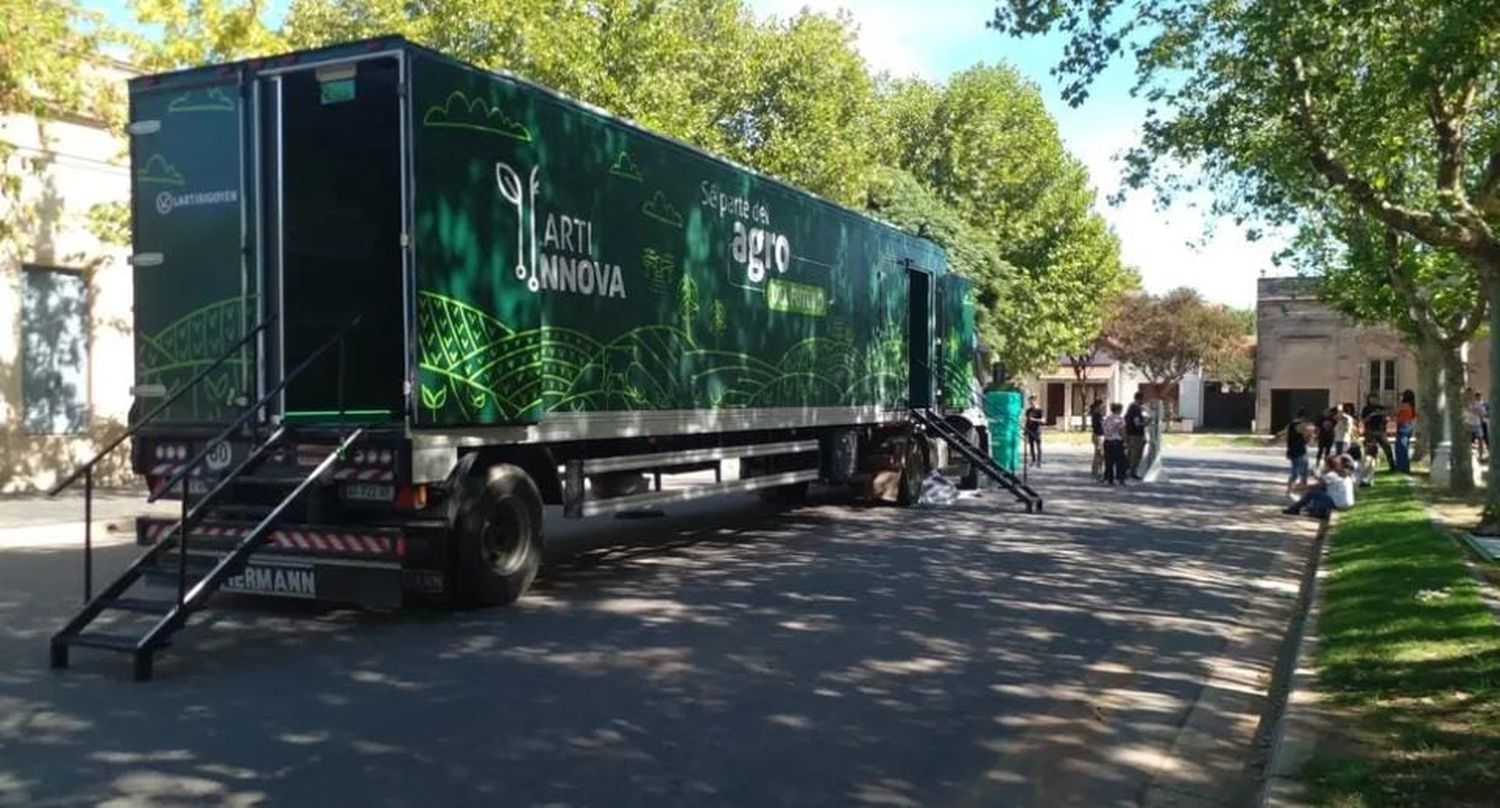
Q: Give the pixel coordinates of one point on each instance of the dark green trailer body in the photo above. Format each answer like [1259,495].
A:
[515,256]
[542,305]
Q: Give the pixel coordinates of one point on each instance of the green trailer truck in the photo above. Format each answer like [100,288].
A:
[388,307]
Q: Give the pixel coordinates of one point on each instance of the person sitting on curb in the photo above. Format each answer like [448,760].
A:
[1334,491]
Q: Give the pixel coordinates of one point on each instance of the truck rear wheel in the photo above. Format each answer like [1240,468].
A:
[499,537]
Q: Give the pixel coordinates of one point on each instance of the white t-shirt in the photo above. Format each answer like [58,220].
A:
[1340,489]
[1342,427]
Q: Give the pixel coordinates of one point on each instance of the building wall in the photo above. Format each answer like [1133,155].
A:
[1302,344]
[82,164]
[1120,382]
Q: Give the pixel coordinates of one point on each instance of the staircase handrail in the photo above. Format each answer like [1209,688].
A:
[160,408]
[185,469]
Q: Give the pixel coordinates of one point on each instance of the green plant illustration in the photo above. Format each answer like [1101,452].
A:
[211,100]
[524,374]
[687,303]
[626,168]
[172,355]
[157,171]
[458,111]
[718,321]
[658,208]
[434,398]
[660,269]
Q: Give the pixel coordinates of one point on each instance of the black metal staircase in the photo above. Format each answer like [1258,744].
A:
[934,424]
[195,582]
[192,590]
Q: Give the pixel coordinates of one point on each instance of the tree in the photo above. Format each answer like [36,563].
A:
[1432,298]
[986,149]
[43,74]
[1167,337]
[1288,107]
[197,32]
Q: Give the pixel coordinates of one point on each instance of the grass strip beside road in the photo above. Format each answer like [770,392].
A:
[1410,656]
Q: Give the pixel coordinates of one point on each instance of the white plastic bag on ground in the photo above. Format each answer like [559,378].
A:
[937,490]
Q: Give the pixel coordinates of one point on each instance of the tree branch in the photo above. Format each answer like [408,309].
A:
[1448,128]
[1423,225]
[1487,198]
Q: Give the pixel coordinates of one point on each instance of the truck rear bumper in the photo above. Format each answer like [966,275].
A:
[362,566]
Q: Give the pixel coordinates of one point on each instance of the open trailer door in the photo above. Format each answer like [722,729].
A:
[335,213]
[194,291]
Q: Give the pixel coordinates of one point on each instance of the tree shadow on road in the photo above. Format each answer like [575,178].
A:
[835,653]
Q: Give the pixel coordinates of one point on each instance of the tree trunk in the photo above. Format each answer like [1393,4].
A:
[1490,521]
[1429,423]
[1461,480]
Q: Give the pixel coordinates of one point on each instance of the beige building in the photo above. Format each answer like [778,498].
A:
[66,357]
[1310,357]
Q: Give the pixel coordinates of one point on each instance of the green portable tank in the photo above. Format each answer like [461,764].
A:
[1002,408]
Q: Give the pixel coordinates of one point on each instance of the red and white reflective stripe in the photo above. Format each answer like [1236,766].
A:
[165,469]
[361,543]
[365,475]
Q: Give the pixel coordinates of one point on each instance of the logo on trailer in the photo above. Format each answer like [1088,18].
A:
[566,258]
[295,582]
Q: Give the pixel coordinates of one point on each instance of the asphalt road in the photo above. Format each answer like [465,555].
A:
[835,654]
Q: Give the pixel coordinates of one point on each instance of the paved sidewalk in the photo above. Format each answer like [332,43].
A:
[36,520]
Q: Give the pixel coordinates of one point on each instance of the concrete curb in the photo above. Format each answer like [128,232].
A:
[1300,724]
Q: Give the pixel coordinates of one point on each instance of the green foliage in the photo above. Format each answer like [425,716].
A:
[1389,106]
[44,53]
[1169,336]
[987,153]
[197,32]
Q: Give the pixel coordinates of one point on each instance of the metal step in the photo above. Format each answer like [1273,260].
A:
[240,511]
[106,642]
[142,605]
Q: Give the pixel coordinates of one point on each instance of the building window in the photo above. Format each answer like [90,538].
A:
[1383,380]
[54,351]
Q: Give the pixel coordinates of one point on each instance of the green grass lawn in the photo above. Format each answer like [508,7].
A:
[1410,655]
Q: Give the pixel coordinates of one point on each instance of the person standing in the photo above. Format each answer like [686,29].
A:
[1112,430]
[1296,451]
[1343,428]
[1034,433]
[1326,424]
[1374,418]
[1475,414]
[1406,424]
[1135,436]
[1096,426]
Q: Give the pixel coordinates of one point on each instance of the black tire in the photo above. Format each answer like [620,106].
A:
[498,537]
[912,472]
[784,496]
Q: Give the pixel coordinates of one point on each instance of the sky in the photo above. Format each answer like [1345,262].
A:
[935,38]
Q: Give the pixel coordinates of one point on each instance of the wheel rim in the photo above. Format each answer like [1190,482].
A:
[503,540]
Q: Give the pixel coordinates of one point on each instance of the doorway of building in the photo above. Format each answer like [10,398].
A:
[1285,403]
[1056,398]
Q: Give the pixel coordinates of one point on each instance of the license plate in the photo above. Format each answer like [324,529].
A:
[370,492]
[282,581]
